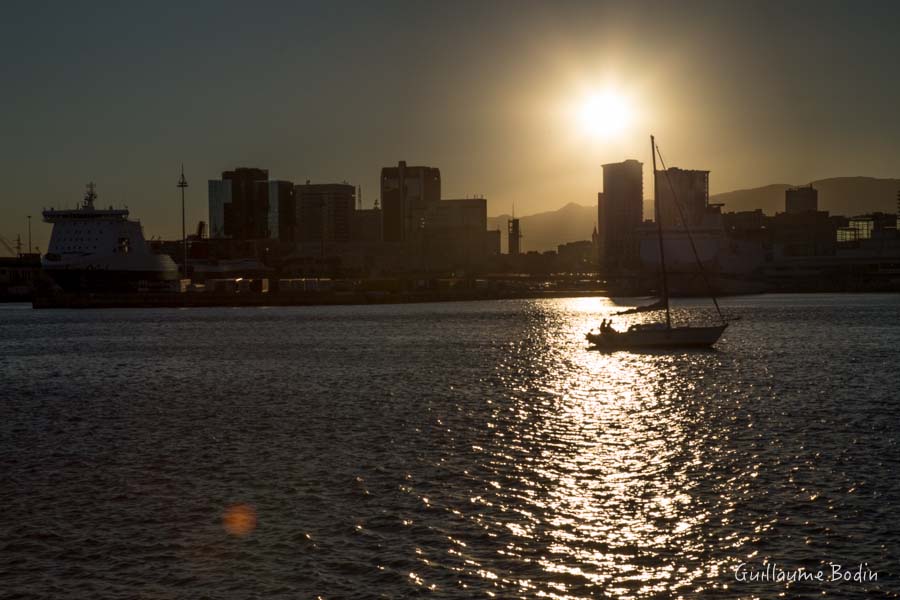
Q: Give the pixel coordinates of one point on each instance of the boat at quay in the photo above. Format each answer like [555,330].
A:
[96,249]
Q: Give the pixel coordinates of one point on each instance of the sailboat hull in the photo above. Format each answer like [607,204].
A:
[676,337]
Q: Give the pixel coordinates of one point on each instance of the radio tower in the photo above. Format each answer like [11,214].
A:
[182,183]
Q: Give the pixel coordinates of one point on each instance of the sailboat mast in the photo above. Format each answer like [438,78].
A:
[662,252]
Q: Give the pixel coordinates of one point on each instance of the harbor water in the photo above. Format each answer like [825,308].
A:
[453,450]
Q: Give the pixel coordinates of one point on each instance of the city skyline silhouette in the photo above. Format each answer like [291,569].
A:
[757,94]
[488,298]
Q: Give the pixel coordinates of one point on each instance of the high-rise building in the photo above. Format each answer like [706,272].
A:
[219,198]
[801,199]
[325,211]
[514,236]
[462,214]
[808,233]
[282,214]
[689,189]
[620,211]
[454,233]
[238,207]
[408,195]
[367,225]
[492,239]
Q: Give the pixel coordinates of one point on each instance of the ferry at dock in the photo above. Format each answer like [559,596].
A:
[95,249]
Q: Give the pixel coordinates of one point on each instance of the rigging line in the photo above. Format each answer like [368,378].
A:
[690,237]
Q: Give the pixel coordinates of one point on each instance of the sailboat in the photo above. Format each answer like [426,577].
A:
[661,335]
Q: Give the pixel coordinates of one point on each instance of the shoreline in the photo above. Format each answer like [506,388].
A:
[68,300]
[259,299]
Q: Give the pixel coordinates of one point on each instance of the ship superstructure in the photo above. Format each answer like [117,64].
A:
[93,248]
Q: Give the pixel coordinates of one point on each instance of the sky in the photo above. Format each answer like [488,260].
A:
[516,101]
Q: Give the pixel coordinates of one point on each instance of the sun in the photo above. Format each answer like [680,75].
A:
[604,114]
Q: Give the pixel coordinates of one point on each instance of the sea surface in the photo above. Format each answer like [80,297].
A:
[458,450]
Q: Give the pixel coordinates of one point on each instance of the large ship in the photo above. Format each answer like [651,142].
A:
[100,249]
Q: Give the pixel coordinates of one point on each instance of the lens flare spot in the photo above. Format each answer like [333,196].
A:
[239,520]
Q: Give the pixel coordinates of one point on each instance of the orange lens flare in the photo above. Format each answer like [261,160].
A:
[239,520]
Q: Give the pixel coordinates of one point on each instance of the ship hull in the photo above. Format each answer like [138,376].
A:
[102,280]
[677,337]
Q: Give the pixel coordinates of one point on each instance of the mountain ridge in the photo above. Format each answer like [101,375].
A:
[846,196]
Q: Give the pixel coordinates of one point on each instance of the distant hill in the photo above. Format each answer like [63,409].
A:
[838,195]
[546,230]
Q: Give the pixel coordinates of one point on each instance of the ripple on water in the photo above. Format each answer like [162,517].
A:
[465,449]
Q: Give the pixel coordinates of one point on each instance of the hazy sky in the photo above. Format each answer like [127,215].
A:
[489,92]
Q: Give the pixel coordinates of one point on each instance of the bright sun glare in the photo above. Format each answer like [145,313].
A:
[604,114]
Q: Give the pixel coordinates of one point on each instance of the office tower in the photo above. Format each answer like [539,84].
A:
[690,189]
[238,207]
[325,211]
[408,195]
[454,234]
[282,214]
[514,236]
[219,198]
[367,225]
[620,212]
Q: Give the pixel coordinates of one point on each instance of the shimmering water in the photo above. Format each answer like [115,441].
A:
[452,450]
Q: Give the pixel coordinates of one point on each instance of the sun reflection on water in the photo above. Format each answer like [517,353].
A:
[609,480]
[461,450]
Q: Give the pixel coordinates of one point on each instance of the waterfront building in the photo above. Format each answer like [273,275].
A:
[453,233]
[745,224]
[514,234]
[810,233]
[238,206]
[219,198]
[492,243]
[325,211]
[707,237]
[433,234]
[684,189]
[866,227]
[408,194]
[801,199]
[367,224]
[619,214]
[576,257]
[282,210]
[466,214]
